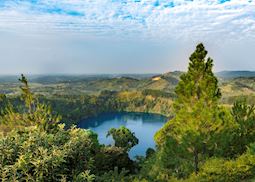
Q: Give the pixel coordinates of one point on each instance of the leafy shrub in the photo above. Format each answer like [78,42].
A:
[221,170]
[33,154]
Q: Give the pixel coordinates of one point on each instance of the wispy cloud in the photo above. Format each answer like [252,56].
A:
[153,19]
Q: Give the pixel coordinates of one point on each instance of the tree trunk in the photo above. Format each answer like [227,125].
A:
[196,161]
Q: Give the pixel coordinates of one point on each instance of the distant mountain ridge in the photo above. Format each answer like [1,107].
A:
[172,77]
[235,74]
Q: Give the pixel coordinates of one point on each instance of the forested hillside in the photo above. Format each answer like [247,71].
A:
[162,84]
[210,136]
[79,97]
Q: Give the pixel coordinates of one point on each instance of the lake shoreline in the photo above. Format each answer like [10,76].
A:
[137,122]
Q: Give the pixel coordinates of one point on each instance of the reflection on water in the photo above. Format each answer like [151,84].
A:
[144,126]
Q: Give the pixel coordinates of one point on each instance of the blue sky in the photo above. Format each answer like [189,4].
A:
[123,36]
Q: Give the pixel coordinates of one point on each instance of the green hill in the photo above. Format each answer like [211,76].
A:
[231,85]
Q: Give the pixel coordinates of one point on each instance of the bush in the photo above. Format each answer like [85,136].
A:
[221,170]
[33,154]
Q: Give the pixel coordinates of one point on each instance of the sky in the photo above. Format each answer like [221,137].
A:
[123,36]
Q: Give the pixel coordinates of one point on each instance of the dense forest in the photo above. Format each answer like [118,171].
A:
[209,137]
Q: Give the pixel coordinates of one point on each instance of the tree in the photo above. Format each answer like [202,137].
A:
[123,137]
[26,94]
[244,132]
[3,102]
[197,116]
[33,111]
[110,157]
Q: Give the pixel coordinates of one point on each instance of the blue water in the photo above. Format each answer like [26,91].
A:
[144,126]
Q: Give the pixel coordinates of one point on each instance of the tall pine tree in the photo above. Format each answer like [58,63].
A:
[188,139]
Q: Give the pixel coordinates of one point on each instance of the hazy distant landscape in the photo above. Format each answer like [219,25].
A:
[232,83]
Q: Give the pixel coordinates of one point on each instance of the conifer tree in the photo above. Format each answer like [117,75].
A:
[197,116]
[244,132]
[27,95]
[34,111]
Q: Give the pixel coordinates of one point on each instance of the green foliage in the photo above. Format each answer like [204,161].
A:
[74,154]
[32,154]
[150,152]
[3,101]
[27,95]
[123,137]
[110,157]
[244,131]
[42,150]
[114,176]
[188,139]
[199,82]
[243,113]
[221,170]
[33,112]
[203,142]
[85,176]
[75,108]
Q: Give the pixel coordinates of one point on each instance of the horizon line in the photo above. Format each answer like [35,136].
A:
[91,74]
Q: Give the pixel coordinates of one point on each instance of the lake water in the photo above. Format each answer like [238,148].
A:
[144,126]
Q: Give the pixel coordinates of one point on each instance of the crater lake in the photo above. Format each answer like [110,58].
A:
[144,125]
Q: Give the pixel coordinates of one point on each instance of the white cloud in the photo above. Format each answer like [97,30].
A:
[153,19]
